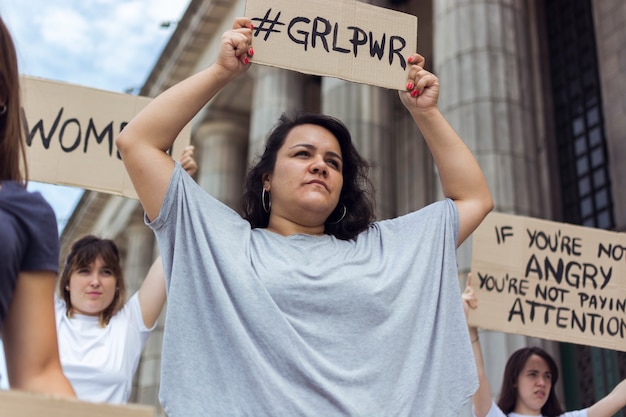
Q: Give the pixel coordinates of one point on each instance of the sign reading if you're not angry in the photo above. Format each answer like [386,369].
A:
[344,39]
[550,280]
[70,133]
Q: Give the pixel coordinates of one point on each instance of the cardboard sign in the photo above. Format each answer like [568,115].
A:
[550,280]
[23,404]
[344,39]
[70,134]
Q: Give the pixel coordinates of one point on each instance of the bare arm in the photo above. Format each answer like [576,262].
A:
[461,177]
[144,141]
[30,337]
[481,399]
[610,404]
[152,293]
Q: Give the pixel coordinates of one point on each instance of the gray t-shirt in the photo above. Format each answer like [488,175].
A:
[259,324]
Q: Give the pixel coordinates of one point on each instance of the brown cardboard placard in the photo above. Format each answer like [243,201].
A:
[550,280]
[70,134]
[345,39]
[23,404]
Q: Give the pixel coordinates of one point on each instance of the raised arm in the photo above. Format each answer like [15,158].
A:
[144,141]
[481,399]
[152,292]
[30,337]
[610,404]
[461,177]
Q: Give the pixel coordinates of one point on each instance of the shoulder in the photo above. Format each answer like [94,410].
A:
[17,199]
[433,215]
[576,413]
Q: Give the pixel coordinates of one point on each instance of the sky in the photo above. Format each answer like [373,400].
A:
[106,44]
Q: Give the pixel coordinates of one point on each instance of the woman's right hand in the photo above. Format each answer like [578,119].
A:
[469,296]
[236,47]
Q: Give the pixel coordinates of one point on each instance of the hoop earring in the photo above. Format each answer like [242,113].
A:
[343,214]
[266,207]
[3,109]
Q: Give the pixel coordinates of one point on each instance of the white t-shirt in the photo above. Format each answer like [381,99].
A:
[100,361]
[495,411]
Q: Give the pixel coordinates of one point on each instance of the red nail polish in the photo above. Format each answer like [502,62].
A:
[250,51]
[246,60]
[409,86]
[410,59]
[415,93]
[251,26]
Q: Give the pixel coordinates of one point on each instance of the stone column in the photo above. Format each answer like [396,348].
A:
[222,148]
[275,91]
[489,95]
[366,111]
[483,59]
[139,245]
[610,23]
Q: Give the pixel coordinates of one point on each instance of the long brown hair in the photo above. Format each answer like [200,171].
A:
[12,147]
[84,252]
[512,370]
[357,193]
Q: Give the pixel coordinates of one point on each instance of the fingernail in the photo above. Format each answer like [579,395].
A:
[251,26]
[415,93]
[409,86]
[410,58]
[250,51]
[245,60]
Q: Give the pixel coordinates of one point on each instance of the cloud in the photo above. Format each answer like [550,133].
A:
[106,44]
[66,31]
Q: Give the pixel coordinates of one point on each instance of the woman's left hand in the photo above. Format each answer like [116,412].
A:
[187,160]
[422,88]
[470,301]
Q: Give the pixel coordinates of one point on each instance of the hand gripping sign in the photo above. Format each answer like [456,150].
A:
[344,39]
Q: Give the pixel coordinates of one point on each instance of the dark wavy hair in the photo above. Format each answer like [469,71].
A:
[512,370]
[83,253]
[12,146]
[356,194]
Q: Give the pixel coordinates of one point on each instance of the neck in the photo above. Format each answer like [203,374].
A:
[287,227]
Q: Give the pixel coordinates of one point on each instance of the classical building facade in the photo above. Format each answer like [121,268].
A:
[536,88]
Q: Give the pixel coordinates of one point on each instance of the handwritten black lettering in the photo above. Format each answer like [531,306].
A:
[39,128]
[68,124]
[598,302]
[260,26]
[550,293]
[576,275]
[69,133]
[518,286]
[567,318]
[612,251]
[503,232]
[554,243]
[517,310]
[320,32]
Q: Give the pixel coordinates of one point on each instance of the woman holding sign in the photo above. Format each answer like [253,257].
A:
[101,333]
[306,306]
[530,376]
[29,252]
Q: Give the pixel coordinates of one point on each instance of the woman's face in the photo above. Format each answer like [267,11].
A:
[92,288]
[307,179]
[533,386]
